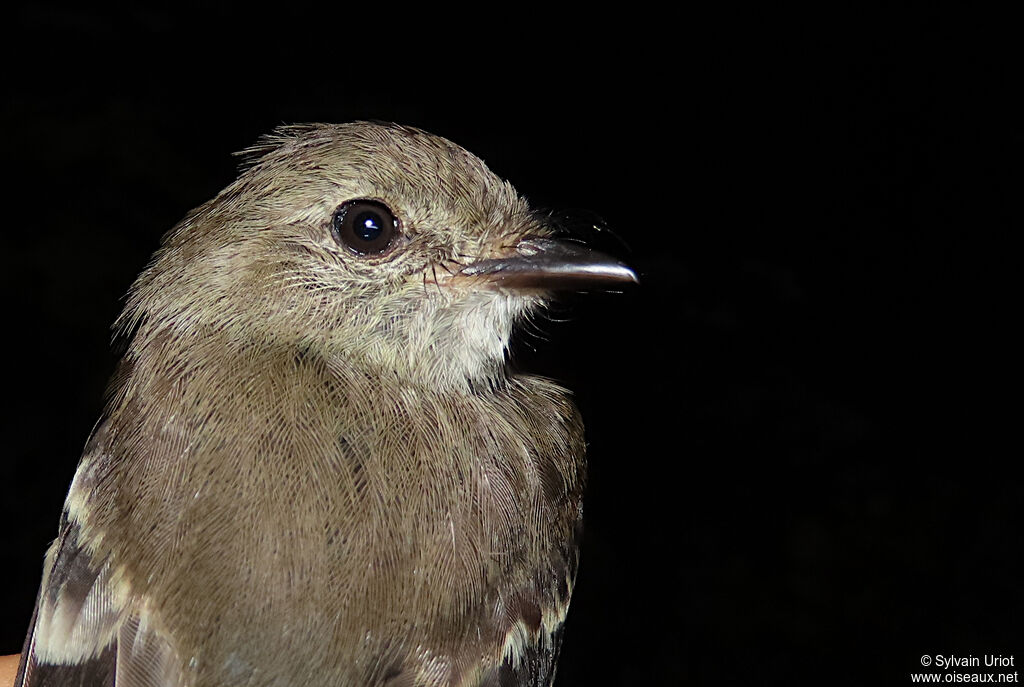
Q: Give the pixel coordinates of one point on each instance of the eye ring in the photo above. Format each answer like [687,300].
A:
[365,227]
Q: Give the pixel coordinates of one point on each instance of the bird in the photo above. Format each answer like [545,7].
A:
[316,464]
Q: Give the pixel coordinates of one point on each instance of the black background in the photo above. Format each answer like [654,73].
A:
[796,468]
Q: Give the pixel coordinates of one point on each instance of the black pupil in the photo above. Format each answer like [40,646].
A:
[365,227]
[368,225]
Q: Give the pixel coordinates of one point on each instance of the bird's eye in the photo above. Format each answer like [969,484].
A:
[366,227]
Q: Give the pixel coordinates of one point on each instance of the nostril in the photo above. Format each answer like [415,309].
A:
[528,248]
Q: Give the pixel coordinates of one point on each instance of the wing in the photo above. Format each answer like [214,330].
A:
[529,660]
[84,632]
[526,656]
[536,621]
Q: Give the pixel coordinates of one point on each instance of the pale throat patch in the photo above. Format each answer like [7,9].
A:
[466,338]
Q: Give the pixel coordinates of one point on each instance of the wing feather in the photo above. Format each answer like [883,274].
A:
[83,635]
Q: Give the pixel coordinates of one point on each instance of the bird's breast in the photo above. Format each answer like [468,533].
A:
[314,500]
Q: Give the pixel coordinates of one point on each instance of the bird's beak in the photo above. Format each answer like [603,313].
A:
[540,263]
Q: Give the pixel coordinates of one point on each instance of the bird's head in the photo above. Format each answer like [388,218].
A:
[386,245]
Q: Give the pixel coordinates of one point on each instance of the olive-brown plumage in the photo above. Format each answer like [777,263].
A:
[315,466]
